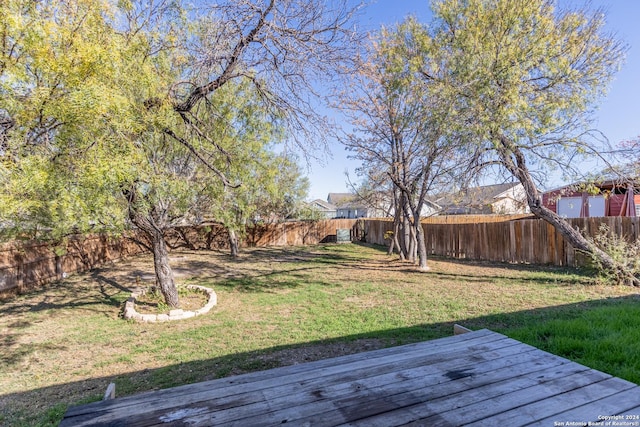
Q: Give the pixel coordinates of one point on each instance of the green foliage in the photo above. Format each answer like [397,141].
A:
[520,77]
[519,80]
[272,190]
[306,212]
[623,252]
[61,162]
[90,121]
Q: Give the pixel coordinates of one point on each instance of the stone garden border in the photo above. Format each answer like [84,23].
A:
[177,314]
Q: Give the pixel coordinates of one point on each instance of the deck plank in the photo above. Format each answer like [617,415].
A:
[480,377]
[622,403]
[476,391]
[488,408]
[230,391]
[368,406]
[319,401]
[526,414]
[252,381]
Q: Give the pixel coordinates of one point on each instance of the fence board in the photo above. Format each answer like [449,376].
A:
[516,238]
[28,264]
[470,219]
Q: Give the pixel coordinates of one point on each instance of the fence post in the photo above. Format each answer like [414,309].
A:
[19,270]
[58,261]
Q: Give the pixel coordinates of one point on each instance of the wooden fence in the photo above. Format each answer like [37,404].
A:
[518,239]
[27,264]
[503,239]
[473,219]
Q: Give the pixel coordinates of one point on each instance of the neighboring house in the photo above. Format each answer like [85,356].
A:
[509,198]
[326,209]
[378,205]
[383,207]
[430,208]
[348,206]
[607,198]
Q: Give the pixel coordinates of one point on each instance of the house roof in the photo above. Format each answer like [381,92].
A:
[339,198]
[323,205]
[603,185]
[476,196]
[345,200]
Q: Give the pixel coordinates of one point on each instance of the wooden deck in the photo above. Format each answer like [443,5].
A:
[478,378]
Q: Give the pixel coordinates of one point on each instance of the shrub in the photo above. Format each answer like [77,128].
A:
[621,249]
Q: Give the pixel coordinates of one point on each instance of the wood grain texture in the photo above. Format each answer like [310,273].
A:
[502,238]
[479,377]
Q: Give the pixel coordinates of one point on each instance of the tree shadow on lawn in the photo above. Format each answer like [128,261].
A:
[569,275]
[48,404]
[269,282]
[70,293]
[119,279]
[109,287]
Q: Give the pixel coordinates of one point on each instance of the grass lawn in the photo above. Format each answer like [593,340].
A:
[63,344]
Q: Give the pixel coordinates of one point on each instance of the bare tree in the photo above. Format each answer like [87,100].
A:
[399,129]
[285,49]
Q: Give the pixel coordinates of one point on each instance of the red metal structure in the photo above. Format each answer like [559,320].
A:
[608,198]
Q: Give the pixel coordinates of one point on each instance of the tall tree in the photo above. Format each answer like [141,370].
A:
[272,191]
[131,108]
[399,128]
[522,77]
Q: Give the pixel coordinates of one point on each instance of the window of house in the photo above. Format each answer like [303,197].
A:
[569,207]
[596,206]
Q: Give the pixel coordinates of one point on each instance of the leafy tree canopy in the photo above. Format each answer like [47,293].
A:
[145,112]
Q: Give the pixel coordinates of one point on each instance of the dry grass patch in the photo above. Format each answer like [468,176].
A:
[152,301]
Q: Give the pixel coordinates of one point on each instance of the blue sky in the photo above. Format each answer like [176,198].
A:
[618,116]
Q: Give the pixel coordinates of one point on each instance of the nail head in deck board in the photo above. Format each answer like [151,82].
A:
[392,386]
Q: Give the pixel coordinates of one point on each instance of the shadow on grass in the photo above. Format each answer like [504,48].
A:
[60,295]
[569,275]
[110,291]
[53,297]
[569,331]
[267,282]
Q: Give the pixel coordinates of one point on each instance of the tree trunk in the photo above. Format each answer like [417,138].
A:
[164,273]
[392,244]
[233,242]
[151,224]
[399,242]
[395,238]
[421,246]
[413,244]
